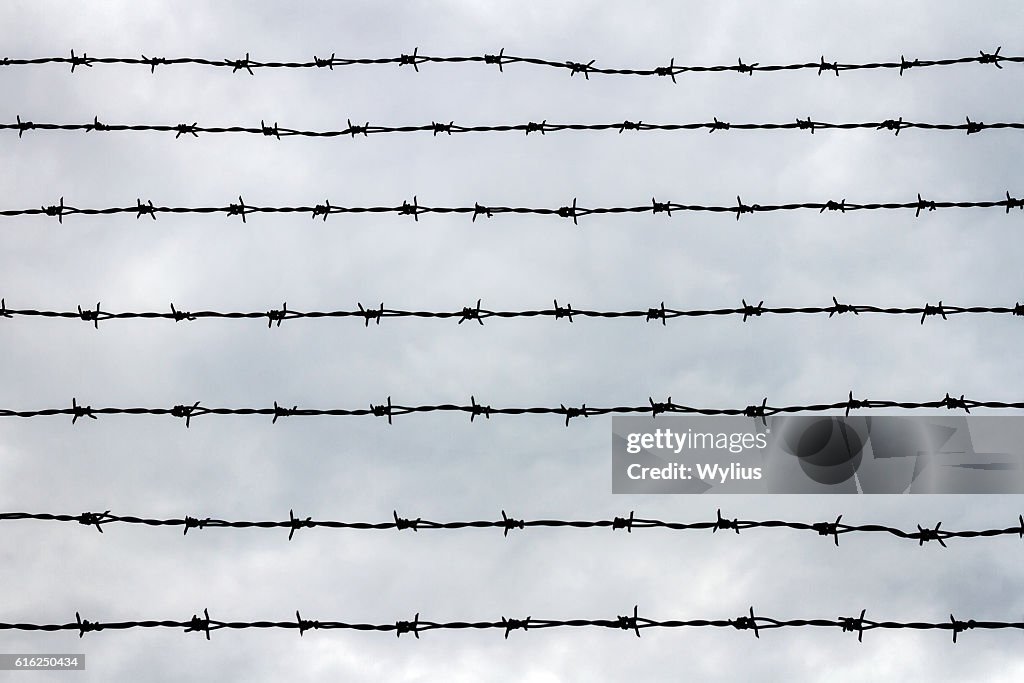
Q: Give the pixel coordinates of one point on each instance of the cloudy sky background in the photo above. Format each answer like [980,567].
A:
[440,466]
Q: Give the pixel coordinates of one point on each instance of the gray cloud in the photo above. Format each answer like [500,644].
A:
[440,466]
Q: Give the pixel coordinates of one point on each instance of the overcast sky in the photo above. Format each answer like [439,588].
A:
[439,466]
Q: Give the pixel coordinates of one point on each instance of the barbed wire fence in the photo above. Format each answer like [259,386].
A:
[572,211]
[391,410]
[277,132]
[479,314]
[829,529]
[583,67]
[631,623]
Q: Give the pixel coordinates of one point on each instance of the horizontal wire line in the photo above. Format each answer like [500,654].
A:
[631,623]
[389,410]
[833,529]
[500,59]
[572,211]
[469,313]
[278,132]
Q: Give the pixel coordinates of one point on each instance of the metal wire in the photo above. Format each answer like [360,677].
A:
[474,409]
[633,623]
[583,67]
[477,313]
[277,132]
[924,534]
[573,211]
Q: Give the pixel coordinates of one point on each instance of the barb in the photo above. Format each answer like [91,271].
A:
[826,529]
[573,210]
[391,410]
[478,313]
[633,623]
[188,412]
[277,132]
[584,67]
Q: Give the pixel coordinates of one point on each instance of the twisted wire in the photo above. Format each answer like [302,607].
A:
[275,316]
[277,132]
[391,410]
[571,211]
[631,623]
[828,529]
[584,68]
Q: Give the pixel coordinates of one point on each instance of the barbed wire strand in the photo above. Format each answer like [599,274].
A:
[391,410]
[277,132]
[829,529]
[95,316]
[572,211]
[631,623]
[583,67]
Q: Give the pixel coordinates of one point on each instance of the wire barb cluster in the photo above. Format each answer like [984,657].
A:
[391,410]
[500,59]
[277,132]
[573,210]
[275,316]
[632,623]
[828,529]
